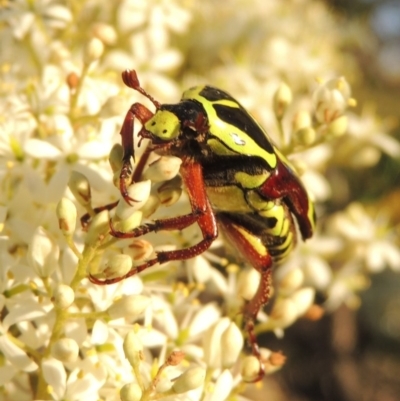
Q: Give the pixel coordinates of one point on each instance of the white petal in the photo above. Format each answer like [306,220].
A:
[58,15]
[303,299]
[57,184]
[27,311]
[55,376]
[201,269]
[77,330]
[43,253]
[392,257]
[94,150]
[153,338]
[204,318]
[39,149]
[223,387]
[317,272]
[375,258]
[16,356]
[99,332]
[388,144]
[212,343]
[82,388]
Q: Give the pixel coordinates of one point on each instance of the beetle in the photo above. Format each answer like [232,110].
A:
[236,179]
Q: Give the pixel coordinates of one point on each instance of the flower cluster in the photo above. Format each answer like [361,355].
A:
[173,331]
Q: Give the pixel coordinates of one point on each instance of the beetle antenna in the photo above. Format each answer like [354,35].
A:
[132,81]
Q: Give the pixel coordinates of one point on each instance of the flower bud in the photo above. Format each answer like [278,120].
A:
[128,306]
[169,196]
[128,224]
[65,350]
[163,169]
[105,32]
[175,358]
[99,227]
[250,368]
[133,348]
[283,314]
[140,192]
[43,253]
[93,51]
[73,80]
[301,120]
[338,126]
[150,206]
[305,136]
[331,99]
[139,249]
[80,187]
[303,299]
[291,282]
[212,343]
[115,158]
[66,213]
[63,296]
[131,392]
[273,361]
[231,345]
[223,386]
[282,99]
[248,282]
[117,266]
[189,380]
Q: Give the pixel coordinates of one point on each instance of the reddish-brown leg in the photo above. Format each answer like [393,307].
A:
[239,231]
[143,114]
[202,213]
[86,217]
[283,184]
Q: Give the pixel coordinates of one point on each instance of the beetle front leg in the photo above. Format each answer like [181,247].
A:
[143,114]
[202,213]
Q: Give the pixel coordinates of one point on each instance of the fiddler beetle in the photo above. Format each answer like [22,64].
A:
[236,179]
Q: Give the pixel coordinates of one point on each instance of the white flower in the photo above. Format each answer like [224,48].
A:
[76,385]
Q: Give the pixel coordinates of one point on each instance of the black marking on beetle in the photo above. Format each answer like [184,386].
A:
[238,117]
[213,94]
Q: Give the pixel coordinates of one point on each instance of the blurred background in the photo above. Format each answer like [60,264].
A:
[361,349]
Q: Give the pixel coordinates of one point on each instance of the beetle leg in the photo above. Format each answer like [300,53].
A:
[86,217]
[202,213]
[284,184]
[143,114]
[245,237]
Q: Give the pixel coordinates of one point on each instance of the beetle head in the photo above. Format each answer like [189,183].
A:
[164,126]
[184,121]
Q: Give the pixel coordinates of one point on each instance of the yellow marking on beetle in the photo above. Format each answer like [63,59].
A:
[255,242]
[287,242]
[229,133]
[310,213]
[228,198]
[219,148]
[285,228]
[257,202]
[277,212]
[164,125]
[250,181]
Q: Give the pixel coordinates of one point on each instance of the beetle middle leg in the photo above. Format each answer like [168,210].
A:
[245,234]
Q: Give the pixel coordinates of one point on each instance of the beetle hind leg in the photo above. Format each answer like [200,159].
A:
[244,233]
